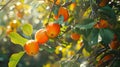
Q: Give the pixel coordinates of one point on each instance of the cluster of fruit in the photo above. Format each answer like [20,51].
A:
[52,30]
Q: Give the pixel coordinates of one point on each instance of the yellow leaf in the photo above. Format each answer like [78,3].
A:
[87,12]
[47,65]
[85,53]
[22,1]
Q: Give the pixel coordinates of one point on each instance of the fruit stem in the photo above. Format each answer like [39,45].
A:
[67,4]
[50,12]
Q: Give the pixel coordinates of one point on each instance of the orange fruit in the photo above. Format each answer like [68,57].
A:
[62,12]
[102,24]
[103,3]
[41,36]
[75,36]
[31,47]
[104,59]
[57,2]
[114,44]
[14,23]
[53,30]
[115,37]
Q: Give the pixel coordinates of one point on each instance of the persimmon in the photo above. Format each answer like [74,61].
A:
[14,23]
[102,24]
[62,12]
[53,30]
[31,47]
[105,59]
[75,36]
[57,2]
[103,3]
[41,36]
[114,44]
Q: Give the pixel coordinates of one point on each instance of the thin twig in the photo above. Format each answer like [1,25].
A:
[5,5]
[51,11]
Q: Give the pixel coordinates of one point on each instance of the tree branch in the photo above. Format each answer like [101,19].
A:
[5,5]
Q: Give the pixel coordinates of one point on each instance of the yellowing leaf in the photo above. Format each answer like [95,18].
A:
[14,59]
[72,6]
[47,65]
[87,12]
[85,53]
[17,39]
[22,1]
[27,29]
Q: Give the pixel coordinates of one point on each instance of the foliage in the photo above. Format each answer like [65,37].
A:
[96,22]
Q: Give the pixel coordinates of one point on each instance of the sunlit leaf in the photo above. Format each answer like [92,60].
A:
[14,59]
[17,39]
[27,29]
[22,1]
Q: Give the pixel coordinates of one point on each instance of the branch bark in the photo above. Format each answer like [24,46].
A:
[6,5]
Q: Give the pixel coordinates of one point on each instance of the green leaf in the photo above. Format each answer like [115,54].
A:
[70,64]
[48,49]
[106,35]
[27,29]
[55,10]
[84,32]
[73,0]
[93,37]
[60,20]
[87,46]
[86,24]
[108,13]
[17,39]
[14,59]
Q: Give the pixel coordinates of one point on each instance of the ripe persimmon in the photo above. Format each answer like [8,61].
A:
[75,36]
[114,44]
[41,36]
[62,12]
[103,3]
[104,60]
[102,24]
[57,2]
[31,47]
[53,30]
